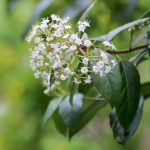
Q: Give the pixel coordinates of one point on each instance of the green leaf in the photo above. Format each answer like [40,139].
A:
[75,8]
[109,85]
[119,133]
[109,36]
[145,89]
[52,106]
[146,14]
[38,10]
[70,113]
[121,88]
[86,116]
[129,96]
[87,11]
[60,126]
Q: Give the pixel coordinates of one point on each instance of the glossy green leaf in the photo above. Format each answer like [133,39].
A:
[129,96]
[87,11]
[86,116]
[109,36]
[60,126]
[109,85]
[52,106]
[70,112]
[38,10]
[122,136]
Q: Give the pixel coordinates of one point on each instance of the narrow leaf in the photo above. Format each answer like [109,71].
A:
[109,36]
[87,11]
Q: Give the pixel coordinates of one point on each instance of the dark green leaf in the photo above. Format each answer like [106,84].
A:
[109,85]
[38,10]
[70,113]
[129,96]
[87,11]
[60,126]
[52,106]
[86,116]
[109,36]
[119,133]
[145,89]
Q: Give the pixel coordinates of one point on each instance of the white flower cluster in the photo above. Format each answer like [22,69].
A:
[57,49]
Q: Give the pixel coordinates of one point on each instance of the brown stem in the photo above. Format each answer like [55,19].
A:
[127,50]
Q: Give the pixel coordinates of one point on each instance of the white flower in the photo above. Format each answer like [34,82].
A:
[107,43]
[38,40]
[67,27]
[63,77]
[78,41]
[37,74]
[67,71]
[73,48]
[63,47]
[77,81]
[95,69]
[49,39]
[87,43]
[82,25]
[108,69]
[84,70]
[66,36]
[100,64]
[85,60]
[55,17]
[88,80]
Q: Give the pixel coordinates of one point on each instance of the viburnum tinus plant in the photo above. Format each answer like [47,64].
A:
[84,74]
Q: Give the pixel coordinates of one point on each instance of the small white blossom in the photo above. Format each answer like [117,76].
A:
[95,69]
[100,64]
[63,77]
[84,70]
[73,48]
[88,79]
[87,43]
[85,60]
[77,81]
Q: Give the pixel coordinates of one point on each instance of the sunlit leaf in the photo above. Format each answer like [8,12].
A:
[87,11]
[109,36]
[52,106]
[70,112]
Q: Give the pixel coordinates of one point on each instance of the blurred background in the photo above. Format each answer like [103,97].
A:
[22,102]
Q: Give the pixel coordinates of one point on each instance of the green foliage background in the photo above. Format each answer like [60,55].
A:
[22,102]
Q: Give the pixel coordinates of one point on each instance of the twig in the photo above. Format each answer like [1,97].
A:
[128,50]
